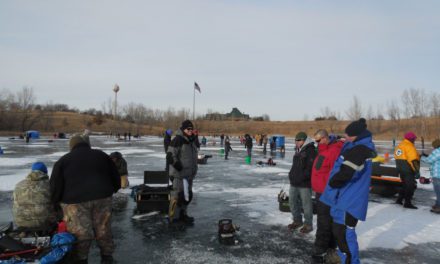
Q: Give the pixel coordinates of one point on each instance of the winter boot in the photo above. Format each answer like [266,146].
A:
[294,225]
[435,209]
[106,259]
[184,217]
[318,255]
[399,201]
[306,229]
[332,257]
[410,206]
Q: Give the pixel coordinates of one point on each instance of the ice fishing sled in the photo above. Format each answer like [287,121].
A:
[26,245]
[154,194]
[385,180]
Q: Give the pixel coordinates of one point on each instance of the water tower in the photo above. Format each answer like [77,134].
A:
[116,90]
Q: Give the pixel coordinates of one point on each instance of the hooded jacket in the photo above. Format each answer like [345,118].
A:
[32,207]
[348,188]
[323,164]
[182,156]
[405,155]
[300,173]
[84,174]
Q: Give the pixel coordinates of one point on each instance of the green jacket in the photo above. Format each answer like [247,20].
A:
[32,206]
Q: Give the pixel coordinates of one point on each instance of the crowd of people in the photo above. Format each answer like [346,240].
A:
[83,181]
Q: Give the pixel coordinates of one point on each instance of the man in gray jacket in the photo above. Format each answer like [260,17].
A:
[182,156]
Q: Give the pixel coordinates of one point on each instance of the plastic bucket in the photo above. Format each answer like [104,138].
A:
[221,151]
[247,160]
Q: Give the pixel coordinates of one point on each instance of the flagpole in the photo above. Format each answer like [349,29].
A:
[194,103]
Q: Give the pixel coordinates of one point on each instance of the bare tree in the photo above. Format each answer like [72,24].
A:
[25,105]
[393,112]
[354,112]
[415,105]
[435,111]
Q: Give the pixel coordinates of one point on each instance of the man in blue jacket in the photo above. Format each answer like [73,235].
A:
[347,190]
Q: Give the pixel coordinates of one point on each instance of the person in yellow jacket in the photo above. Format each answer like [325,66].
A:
[408,165]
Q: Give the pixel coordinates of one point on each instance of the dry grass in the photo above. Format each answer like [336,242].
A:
[384,130]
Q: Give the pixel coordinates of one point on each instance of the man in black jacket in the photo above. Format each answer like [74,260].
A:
[83,182]
[182,156]
[300,193]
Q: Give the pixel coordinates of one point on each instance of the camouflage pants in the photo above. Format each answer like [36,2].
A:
[88,221]
[178,204]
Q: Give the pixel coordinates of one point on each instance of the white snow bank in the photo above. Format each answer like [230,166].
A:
[8,182]
[267,170]
[130,151]
[392,226]
[16,161]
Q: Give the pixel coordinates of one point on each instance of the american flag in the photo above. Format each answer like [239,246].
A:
[197,87]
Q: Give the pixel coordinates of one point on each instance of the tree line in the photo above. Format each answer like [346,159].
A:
[20,112]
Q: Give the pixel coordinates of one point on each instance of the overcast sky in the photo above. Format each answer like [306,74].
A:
[288,59]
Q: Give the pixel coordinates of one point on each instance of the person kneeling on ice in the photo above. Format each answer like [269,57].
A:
[32,207]
[434,160]
[121,165]
[269,162]
[348,188]
[182,156]
[83,182]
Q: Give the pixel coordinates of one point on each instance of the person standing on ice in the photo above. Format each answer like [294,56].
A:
[227,147]
[182,156]
[83,182]
[348,188]
[328,152]
[248,144]
[166,144]
[408,165]
[300,192]
[434,160]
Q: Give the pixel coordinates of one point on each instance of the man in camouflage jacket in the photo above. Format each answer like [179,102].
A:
[32,207]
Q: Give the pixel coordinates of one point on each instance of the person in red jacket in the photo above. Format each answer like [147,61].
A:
[329,149]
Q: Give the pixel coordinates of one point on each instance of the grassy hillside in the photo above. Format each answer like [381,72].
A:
[382,129]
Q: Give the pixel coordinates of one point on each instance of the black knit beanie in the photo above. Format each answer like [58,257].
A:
[356,128]
[186,124]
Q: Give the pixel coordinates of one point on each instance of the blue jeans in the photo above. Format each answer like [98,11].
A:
[436,183]
[301,199]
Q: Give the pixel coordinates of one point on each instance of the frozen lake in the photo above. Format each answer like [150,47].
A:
[232,189]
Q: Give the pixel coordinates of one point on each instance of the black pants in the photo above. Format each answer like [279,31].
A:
[324,236]
[340,232]
[408,186]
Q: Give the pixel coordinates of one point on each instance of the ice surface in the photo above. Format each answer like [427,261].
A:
[249,189]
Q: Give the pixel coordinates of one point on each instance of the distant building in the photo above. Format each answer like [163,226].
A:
[235,114]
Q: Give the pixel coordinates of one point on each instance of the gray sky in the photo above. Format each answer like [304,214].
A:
[284,58]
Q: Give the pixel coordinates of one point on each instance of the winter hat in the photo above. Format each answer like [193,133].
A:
[169,132]
[436,143]
[186,124]
[301,136]
[356,128]
[77,139]
[39,166]
[410,136]
[116,155]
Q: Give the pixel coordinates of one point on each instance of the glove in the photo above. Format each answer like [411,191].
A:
[178,165]
[417,175]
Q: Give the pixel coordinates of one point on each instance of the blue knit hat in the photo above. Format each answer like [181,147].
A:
[39,166]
